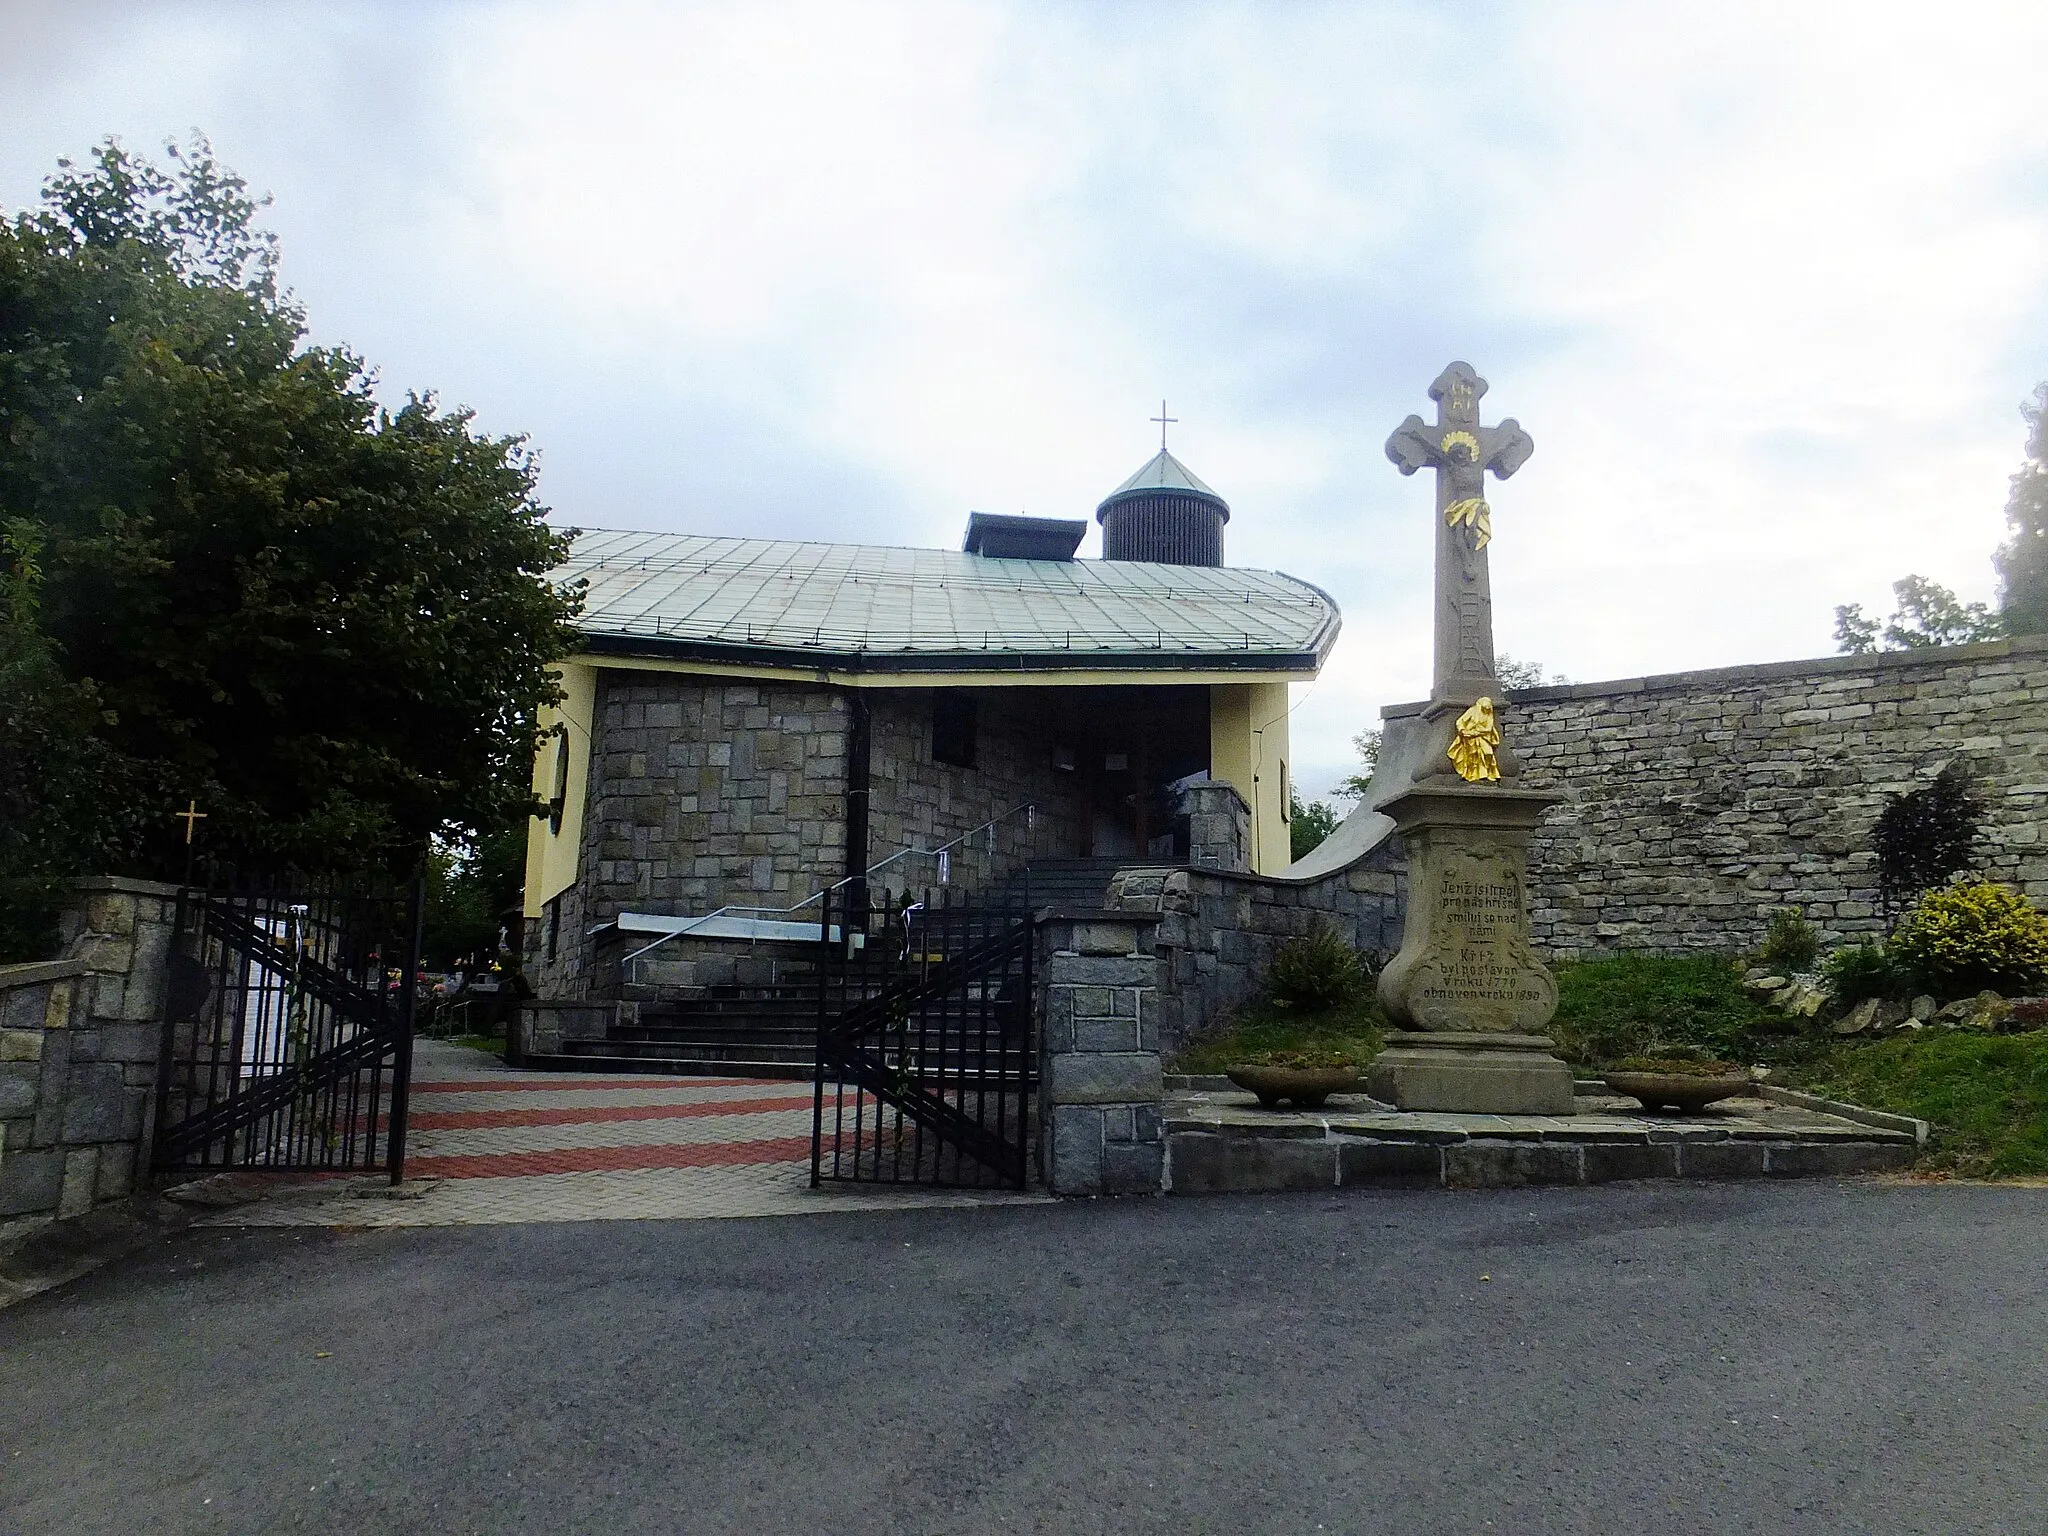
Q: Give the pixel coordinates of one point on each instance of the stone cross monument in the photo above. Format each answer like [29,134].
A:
[1467,987]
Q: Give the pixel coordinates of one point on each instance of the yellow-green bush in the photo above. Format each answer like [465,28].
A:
[1970,937]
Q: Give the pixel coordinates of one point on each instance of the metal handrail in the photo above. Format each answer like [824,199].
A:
[819,895]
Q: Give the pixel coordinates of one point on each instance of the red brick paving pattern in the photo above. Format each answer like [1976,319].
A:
[493,1119]
[502,1165]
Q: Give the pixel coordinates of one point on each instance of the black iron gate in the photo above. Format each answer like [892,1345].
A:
[287,1039]
[927,1062]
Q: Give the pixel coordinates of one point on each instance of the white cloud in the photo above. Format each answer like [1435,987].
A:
[1764,282]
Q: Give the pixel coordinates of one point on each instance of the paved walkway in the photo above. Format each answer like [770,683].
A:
[490,1144]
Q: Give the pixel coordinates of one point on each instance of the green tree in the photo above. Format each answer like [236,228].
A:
[2022,560]
[1367,745]
[67,800]
[1510,673]
[327,620]
[1925,614]
[470,887]
[1309,822]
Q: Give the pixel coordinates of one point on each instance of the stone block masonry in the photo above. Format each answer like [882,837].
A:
[1699,803]
[1218,930]
[79,1039]
[1100,1082]
[705,794]
[700,795]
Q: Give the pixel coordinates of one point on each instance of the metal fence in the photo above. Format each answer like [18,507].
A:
[927,1069]
[287,1036]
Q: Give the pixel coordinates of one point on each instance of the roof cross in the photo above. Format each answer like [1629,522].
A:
[1163,419]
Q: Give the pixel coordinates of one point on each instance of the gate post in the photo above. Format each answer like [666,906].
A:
[1100,1084]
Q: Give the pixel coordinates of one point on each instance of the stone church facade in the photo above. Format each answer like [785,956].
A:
[754,721]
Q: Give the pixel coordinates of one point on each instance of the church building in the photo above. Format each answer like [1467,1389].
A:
[749,721]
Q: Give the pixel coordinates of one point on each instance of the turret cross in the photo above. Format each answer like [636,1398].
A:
[1461,451]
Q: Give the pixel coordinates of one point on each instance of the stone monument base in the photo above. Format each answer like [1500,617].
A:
[1471,1073]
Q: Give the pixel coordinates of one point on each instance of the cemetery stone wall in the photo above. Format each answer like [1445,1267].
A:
[1697,804]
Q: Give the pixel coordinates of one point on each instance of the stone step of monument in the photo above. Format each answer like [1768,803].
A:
[1223,1141]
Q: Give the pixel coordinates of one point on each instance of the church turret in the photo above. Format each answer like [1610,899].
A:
[1164,513]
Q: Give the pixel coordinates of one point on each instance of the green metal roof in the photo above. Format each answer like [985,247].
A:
[1163,472]
[870,607]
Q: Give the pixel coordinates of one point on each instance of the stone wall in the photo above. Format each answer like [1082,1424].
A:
[1218,930]
[79,1037]
[1219,826]
[705,794]
[1699,803]
[916,802]
[702,794]
[1100,1082]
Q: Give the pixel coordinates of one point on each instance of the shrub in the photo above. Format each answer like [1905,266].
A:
[1924,837]
[1972,937]
[1317,971]
[1789,942]
[1861,971]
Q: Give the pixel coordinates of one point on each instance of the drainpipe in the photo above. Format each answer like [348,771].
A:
[857,754]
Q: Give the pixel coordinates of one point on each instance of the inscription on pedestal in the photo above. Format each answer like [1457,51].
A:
[1477,923]
[1466,963]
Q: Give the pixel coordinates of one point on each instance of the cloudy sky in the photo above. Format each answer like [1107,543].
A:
[1765,283]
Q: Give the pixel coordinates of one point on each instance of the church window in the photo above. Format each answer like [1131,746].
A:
[558,800]
[952,728]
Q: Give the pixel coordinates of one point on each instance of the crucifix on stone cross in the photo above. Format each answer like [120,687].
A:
[1461,451]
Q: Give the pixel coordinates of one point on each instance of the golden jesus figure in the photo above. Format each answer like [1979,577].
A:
[1473,742]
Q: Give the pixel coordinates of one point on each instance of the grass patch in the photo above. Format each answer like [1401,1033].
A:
[1986,1095]
[1643,1005]
[490,1045]
[1349,1030]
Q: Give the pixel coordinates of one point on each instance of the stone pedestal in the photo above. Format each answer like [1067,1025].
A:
[1467,990]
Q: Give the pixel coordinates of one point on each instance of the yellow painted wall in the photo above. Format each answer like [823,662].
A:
[551,856]
[1248,748]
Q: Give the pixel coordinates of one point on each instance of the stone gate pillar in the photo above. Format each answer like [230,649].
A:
[1100,1083]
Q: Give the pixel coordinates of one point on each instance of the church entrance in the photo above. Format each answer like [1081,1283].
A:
[1129,748]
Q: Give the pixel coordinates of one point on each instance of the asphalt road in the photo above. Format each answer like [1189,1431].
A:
[1815,1357]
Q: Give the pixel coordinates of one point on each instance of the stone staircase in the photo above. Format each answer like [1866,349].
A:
[769,1029]
[1065,883]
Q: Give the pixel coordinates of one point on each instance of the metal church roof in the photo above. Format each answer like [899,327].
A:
[869,607]
[1163,472]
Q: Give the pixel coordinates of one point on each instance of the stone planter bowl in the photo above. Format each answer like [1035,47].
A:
[1303,1087]
[1682,1091]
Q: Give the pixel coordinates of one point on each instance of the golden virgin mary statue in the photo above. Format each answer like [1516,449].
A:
[1473,741]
